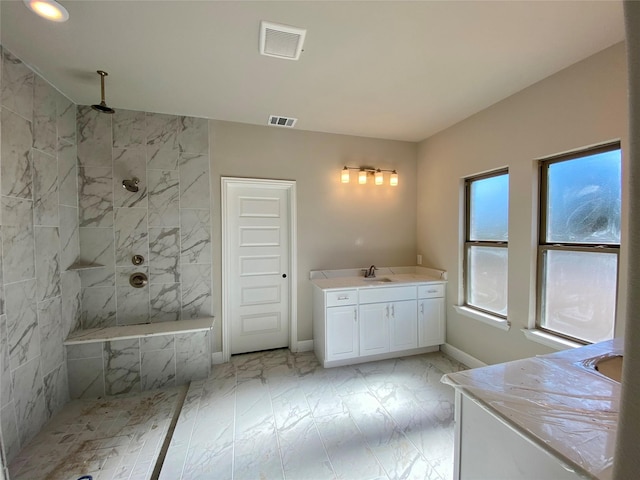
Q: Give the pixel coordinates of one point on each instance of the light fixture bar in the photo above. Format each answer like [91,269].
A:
[363,172]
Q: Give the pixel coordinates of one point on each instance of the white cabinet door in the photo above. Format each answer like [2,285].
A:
[342,332]
[374,328]
[430,322]
[403,328]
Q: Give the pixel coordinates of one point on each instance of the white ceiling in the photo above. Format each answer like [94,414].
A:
[396,70]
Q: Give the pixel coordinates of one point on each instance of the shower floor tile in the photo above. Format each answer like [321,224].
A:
[109,438]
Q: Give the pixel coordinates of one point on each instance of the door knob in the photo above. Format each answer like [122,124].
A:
[284,275]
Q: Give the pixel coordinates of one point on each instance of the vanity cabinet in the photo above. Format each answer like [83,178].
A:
[430,315]
[370,323]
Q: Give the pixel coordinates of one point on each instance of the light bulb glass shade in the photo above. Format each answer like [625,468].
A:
[344,176]
[362,177]
[379,177]
[393,180]
[49,9]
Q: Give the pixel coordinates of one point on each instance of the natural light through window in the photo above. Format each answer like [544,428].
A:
[579,244]
[486,252]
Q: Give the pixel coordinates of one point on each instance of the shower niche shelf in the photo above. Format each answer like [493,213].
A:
[80,265]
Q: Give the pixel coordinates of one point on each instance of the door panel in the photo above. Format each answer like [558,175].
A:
[258,232]
[404,325]
[374,328]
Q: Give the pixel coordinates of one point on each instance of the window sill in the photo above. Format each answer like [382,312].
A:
[492,320]
[549,340]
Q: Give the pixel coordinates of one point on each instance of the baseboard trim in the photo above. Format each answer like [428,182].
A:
[217,358]
[305,345]
[461,356]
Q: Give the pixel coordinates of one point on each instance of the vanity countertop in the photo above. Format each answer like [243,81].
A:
[558,401]
[385,277]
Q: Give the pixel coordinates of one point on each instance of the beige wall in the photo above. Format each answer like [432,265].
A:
[339,225]
[582,105]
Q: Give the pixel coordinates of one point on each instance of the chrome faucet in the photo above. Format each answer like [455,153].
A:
[370,272]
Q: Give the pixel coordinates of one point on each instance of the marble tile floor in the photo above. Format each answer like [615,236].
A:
[109,438]
[277,415]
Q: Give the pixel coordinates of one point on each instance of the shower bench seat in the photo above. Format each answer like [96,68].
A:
[135,358]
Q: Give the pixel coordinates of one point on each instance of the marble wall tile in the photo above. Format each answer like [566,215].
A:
[127,164]
[122,366]
[195,233]
[1,277]
[129,129]
[47,262]
[93,137]
[85,350]
[196,291]
[10,439]
[69,237]
[45,189]
[66,119]
[164,198]
[157,369]
[86,377]
[98,307]
[28,388]
[56,391]
[6,387]
[50,325]
[17,239]
[71,289]
[159,342]
[133,303]
[97,246]
[16,171]
[194,180]
[17,85]
[165,302]
[95,199]
[193,135]
[45,137]
[164,255]
[162,145]
[131,234]
[193,359]
[22,322]
[67,175]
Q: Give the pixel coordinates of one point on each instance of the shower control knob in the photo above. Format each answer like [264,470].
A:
[137,259]
[138,280]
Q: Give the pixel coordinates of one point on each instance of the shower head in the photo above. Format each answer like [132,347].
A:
[102,106]
[130,185]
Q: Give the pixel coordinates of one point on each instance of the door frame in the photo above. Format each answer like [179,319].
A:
[290,187]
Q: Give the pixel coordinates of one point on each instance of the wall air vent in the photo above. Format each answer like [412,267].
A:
[281,41]
[277,121]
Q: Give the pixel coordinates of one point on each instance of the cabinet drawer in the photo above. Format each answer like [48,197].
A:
[342,297]
[387,294]
[431,291]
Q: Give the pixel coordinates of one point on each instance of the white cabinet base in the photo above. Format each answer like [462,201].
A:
[487,448]
[381,356]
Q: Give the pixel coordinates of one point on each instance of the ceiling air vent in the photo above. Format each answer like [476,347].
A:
[281,41]
[277,121]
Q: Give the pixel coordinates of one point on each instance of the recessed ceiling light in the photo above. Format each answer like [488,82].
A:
[49,9]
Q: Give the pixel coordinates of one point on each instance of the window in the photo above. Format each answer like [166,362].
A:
[486,236]
[580,200]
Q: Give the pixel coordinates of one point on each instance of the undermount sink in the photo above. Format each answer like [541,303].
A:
[377,279]
[610,367]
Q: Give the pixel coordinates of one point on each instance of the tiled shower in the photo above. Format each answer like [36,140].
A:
[63,206]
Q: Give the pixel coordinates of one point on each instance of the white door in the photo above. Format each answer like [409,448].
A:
[374,328]
[342,332]
[403,331]
[431,322]
[257,264]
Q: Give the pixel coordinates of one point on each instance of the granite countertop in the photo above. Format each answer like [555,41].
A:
[386,276]
[558,401]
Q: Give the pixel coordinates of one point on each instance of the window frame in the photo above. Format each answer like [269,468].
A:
[544,246]
[466,278]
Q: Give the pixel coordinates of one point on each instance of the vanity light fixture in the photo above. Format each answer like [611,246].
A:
[363,172]
[48,9]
